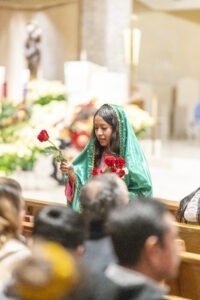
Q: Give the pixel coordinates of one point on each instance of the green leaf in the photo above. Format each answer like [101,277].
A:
[50,150]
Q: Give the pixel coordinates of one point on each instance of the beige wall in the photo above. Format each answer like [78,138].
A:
[60,41]
[170,50]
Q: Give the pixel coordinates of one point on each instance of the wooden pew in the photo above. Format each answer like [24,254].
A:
[191,236]
[171,205]
[187,232]
[32,207]
[187,284]
[172,297]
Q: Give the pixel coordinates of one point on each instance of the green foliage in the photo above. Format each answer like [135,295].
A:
[11,162]
[47,99]
[13,119]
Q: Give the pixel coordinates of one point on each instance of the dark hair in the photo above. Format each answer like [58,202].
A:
[131,225]
[107,113]
[60,224]
[99,196]
[183,205]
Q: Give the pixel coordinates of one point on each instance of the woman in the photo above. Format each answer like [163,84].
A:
[111,135]
[11,217]
[189,208]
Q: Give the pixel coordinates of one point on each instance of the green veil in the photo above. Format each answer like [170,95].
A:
[138,179]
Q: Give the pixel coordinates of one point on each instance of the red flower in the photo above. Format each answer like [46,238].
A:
[110,161]
[121,173]
[114,165]
[113,170]
[94,172]
[120,162]
[43,136]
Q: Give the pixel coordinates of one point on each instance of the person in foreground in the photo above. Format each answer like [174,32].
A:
[112,136]
[98,197]
[12,250]
[189,208]
[145,241]
[61,225]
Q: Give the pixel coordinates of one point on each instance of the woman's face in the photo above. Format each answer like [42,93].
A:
[103,131]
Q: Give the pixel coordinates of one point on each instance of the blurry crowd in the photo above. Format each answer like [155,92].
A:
[112,249]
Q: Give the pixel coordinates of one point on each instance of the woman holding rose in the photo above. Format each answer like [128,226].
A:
[112,145]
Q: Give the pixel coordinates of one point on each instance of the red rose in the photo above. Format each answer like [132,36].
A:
[120,162]
[121,173]
[113,170]
[43,136]
[94,172]
[110,161]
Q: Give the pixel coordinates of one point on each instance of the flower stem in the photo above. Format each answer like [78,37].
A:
[53,145]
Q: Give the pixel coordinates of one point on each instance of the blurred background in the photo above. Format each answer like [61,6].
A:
[61,59]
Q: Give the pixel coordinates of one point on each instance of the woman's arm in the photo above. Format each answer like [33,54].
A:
[68,169]
[71,180]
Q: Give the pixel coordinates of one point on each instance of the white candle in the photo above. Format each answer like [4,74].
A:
[136,41]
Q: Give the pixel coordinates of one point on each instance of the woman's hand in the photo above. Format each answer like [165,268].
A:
[67,168]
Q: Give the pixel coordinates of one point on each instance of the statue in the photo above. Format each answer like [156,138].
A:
[32,49]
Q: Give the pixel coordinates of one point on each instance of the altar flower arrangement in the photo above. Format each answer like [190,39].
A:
[139,119]
[43,136]
[42,91]
[113,165]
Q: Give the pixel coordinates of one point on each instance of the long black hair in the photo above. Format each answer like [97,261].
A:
[107,113]
[183,205]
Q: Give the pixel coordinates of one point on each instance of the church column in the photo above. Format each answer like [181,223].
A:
[103,23]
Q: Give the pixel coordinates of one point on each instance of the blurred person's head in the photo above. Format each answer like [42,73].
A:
[145,238]
[61,225]
[50,273]
[100,195]
[12,183]
[11,208]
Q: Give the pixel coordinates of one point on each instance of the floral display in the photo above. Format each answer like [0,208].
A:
[46,107]
[43,136]
[113,165]
[139,119]
[44,91]
[81,124]
[19,124]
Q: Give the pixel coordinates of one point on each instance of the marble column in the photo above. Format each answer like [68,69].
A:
[103,23]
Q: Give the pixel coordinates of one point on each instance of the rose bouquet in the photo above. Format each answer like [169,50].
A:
[43,136]
[113,165]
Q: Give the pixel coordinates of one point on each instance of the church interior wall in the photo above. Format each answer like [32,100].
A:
[60,41]
[170,49]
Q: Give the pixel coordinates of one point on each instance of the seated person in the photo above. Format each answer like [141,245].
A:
[55,275]
[61,225]
[12,250]
[188,211]
[10,182]
[145,241]
[98,197]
